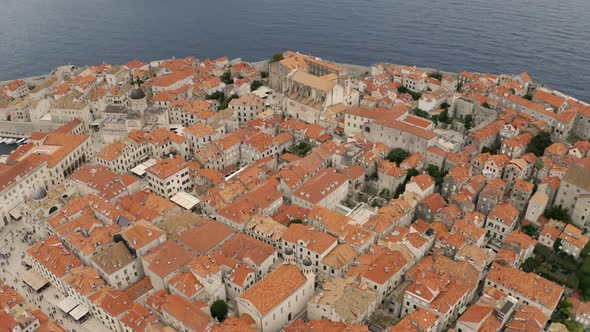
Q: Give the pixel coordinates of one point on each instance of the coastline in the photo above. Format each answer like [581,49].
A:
[261,65]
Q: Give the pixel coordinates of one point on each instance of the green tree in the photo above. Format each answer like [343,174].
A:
[295,221]
[264,74]
[459,86]
[225,103]
[539,143]
[486,105]
[411,173]
[530,230]
[444,117]
[468,122]
[558,212]
[437,75]
[397,155]
[539,164]
[436,173]
[219,310]
[255,85]
[421,113]
[226,78]
[218,95]
[402,187]
[494,148]
[399,190]
[528,97]
[277,57]
[573,326]
[445,105]
[301,149]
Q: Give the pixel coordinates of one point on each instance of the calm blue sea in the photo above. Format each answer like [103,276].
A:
[549,39]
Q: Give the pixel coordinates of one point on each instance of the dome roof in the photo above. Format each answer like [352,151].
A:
[137,94]
[288,251]
[307,262]
[39,194]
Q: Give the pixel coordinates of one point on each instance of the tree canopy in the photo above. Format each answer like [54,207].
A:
[219,310]
[437,174]
[255,85]
[444,117]
[277,57]
[539,143]
[558,212]
[468,122]
[226,78]
[397,155]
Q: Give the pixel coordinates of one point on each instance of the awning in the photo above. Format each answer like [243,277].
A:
[15,213]
[139,170]
[79,312]
[96,122]
[34,279]
[185,200]
[68,304]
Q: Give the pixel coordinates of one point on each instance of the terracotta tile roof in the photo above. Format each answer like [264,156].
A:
[389,168]
[139,318]
[274,288]
[242,209]
[111,300]
[163,136]
[108,183]
[418,321]
[324,325]
[548,98]
[505,212]
[245,248]
[113,257]
[146,205]
[140,234]
[164,168]
[378,265]
[530,285]
[407,128]
[167,258]
[54,256]
[84,279]
[234,324]
[240,274]
[574,236]
[172,78]
[424,181]
[315,241]
[341,256]
[413,161]
[186,283]
[527,318]
[523,185]
[434,201]
[266,226]
[186,312]
[419,122]
[321,185]
[138,289]
[9,297]
[53,148]
[204,266]
[204,235]
[557,149]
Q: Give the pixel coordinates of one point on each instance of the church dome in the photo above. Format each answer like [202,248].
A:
[137,94]
[39,194]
